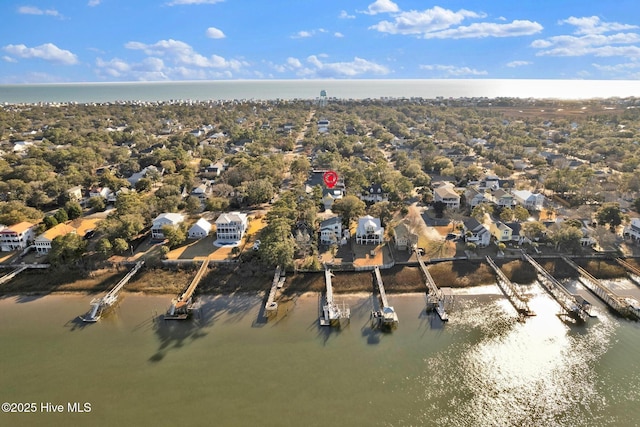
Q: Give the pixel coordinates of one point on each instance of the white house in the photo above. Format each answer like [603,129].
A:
[633,229]
[476,233]
[331,231]
[230,227]
[369,231]
[446,195]
[103,192]
[200,229]
[170,219]
[75,193]
[201,191]
[374,193]
[17,236]
[529,200]
[43,241]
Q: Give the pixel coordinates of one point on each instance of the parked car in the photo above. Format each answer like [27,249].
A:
[256,245]
[89,234]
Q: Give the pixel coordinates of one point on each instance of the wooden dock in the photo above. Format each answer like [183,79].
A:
[387,316]
[332,313]
[510,290]
[624,306]
[98,305]
[632,270]
[436,298]
[271,306]
[573,305]
[7,277]
[182,306]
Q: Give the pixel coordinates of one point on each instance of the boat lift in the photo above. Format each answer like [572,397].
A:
[98,305]
[332,313]
[510,290]
[182,306]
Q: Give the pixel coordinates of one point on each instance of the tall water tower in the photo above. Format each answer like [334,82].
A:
[323,98]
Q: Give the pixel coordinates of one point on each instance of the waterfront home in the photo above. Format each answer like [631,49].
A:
[503,199]
[331,231]
[404,239]
[200,229]
[165,219]
[330,195]
[373,194]
[476,233]
[43,241]
[529,200]
[632,231]
[446,195]
[75,193]
[369,231]
[230,227]
[500,231]
[17,236]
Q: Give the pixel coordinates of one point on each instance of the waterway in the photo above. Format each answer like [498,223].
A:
[227,367]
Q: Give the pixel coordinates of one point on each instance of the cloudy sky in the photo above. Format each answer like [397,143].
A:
[159,40]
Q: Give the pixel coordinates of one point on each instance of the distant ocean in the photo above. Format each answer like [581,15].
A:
[310,89]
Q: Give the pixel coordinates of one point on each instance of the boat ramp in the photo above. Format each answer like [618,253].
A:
[627,307]
[387,316]
[574,305]
[509,289]
[98,305]
[438,299]
[182,306]
[332,313]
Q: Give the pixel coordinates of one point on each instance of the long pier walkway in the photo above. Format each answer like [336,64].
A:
[630,268]
[180,307]
[572,304]
[436,298]
[98,305]
[621,305]
[332,312]
[4,279]
[271,305]
[387,316]
[510,290]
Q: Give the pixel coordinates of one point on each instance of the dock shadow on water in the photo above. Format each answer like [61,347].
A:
[175,334]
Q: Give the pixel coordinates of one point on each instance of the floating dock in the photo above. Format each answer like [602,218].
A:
[627,307]
[271,306]
[4,279]
[574,305]
[332,313]
[387,316]
[182,306]
[436,298]
[98,305]
[509,289]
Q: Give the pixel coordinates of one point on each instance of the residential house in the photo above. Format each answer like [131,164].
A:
[330,195]
[17,236]
[369,231]
[200,229]
[475,197]
[331,231]
[230,227]
[500,231]
[168,219]
[446,195]
[215,168]
[43,241]
[632,230]
[404,239]
[103,192]
[516,233]
[323,126]
[133,179]
[201,191]
[503,198]
[476,233]
[529,200]
[373,194]
[75,193]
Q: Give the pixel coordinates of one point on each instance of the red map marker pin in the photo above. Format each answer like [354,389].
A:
[330,178]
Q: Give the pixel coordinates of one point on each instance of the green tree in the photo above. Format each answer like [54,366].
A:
[217,204]
[175,235]
[507,215]
[14,211]
[349,207]
[50,221]
[61,216]
[520,213]
[120,246]
[259,191]
[74,210]
[144,184]
[277,245]
[481,210]
[66,249]
[97,204]
[610,213]
[193,205]
[104,246]
[534,230]
[567,237]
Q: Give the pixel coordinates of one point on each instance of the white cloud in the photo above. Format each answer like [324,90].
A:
[345,15]
[514,64]
[294,62]
[338,34]
[353,68]
[47,51]
[593,25]
[93,3]
[33,10]
[215,33]
[589,38]
[182,54]
[453,71]
[487,29]
[618,68]
[382,6]
[181,2]
[427,21]
[302,35]
[9,59]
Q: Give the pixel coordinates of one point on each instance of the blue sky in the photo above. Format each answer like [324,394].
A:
[160,40]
